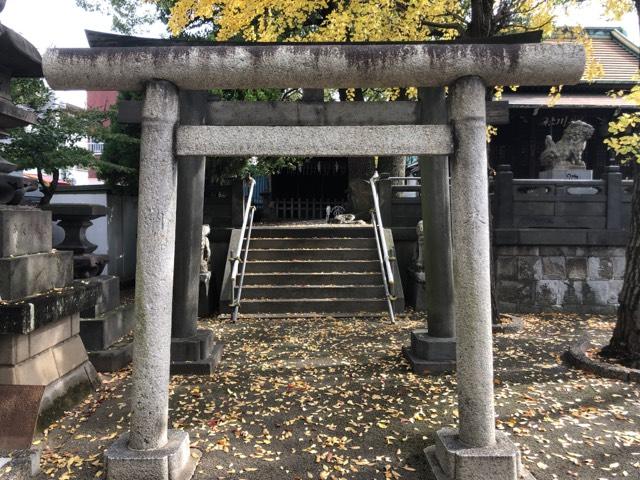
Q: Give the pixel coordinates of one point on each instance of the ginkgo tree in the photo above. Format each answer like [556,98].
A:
[625,142]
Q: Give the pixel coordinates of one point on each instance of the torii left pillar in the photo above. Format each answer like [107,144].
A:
[193,351]
[150,450]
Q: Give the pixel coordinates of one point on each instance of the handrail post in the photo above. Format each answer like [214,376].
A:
[504,197]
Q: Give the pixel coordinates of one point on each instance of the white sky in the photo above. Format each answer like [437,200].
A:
[60,23]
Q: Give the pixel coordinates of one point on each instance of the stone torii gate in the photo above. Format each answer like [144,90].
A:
[475,450]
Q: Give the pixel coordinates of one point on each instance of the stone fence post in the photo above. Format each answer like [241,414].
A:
[613,181]
[504,197]
[385,195]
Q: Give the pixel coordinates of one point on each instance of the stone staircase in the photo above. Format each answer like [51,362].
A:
[312,270]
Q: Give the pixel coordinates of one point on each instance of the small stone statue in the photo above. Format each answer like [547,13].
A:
[418,259]
[567,152]
[206,249]
[417,256]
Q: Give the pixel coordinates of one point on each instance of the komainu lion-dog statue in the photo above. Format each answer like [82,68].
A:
[566,153]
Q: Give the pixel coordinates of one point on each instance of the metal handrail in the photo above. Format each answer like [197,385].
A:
[385,283]
[235,253]
[381,242]
[236,303]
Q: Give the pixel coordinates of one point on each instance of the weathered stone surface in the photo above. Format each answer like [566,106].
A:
[516,291]
[69,354]
[529,268]
[451,459]
[314,66]
[619,264]
[315,141]
[103,331]
[576,268]
[154,270]
[24,230]
[471,263]
[172,461]
[550,292]
[506,267]
[49,335]
[31,274]
[554,268]
[24,316]
[108,295]
[82,375]
[599,268]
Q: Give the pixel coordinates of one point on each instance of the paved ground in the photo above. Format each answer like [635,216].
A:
[333,399]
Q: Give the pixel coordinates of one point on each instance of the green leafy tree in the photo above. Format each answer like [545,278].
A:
[52,144]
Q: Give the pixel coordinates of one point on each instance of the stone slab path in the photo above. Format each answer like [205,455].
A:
[333,399]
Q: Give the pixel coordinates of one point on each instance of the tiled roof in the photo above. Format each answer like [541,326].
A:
[618,56]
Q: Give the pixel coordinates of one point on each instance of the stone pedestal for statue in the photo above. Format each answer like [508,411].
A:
[567,174]
[40,314]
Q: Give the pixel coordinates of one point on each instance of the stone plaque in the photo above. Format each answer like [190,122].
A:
[19,410]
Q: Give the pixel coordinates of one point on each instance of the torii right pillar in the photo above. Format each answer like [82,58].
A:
[475,451]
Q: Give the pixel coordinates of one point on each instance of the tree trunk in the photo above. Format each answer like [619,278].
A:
[625,343]
[48,190]
[394,166]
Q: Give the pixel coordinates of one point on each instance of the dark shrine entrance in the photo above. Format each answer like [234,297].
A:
[305,191]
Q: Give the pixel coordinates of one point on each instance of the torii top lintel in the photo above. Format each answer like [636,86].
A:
[303,65]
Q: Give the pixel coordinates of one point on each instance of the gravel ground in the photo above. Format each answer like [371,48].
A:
[333,398]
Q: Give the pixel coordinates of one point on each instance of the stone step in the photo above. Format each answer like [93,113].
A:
[259,292]
[313,232]
[325,305]
[313,254]
[300,279]
[296,243]
[101,332]
[312,266]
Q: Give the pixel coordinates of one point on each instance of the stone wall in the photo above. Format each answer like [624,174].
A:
[580,279]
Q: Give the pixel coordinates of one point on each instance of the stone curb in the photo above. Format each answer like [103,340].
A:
[517,323]
[576,357]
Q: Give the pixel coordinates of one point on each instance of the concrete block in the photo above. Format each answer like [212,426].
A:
[576,268]
[506,268]
[171,462]
[515,291]
[14,348]
[554,268]
[102,332]
[432,348]
[108,295]
[24,230]
[83,374]
[599,268]
[38,370]
[30,274]
[450,459]
[596,292]
[550,292]
[619,264]
[69,354]
[615,286]
[529,268]
[574,295]
[49,335]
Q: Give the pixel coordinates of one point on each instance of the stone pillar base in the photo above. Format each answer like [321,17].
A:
[450,459]
[174,461]
[430,355]
[197,355]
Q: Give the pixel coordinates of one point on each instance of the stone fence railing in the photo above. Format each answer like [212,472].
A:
[561,212]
